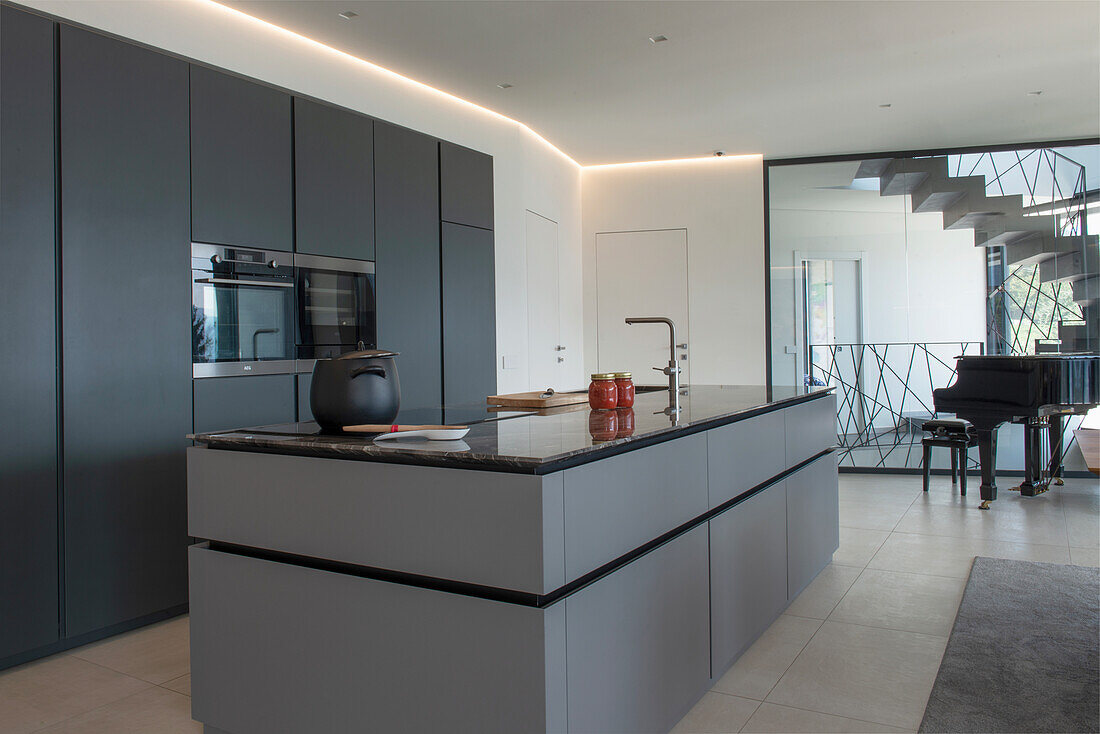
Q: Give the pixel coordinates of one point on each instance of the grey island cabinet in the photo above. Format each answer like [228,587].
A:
[548,573]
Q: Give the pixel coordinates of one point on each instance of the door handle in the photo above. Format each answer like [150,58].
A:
[230,281]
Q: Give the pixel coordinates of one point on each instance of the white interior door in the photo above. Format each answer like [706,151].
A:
[832,318]
[641,274]
[544,353]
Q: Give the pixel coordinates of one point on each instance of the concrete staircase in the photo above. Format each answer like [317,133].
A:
[1001,221]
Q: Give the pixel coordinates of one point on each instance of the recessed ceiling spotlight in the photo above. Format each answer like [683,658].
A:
[504,85]
[349,14]
[885,106]
[658,38]
[1036,93]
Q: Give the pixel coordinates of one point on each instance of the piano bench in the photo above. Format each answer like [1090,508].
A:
[955,434]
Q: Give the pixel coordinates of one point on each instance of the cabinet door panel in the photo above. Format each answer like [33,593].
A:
[125,358]
[637,641]
[241,183]
[407,250]
[466,186]
[28,454]
[469,321]
[813,522]
[748,572]
[225,403]
[334,181]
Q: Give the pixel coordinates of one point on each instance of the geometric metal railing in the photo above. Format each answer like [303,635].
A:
[884,393]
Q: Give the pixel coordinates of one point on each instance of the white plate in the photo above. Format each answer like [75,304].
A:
[448,434]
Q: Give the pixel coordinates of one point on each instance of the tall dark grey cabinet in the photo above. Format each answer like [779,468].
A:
[406,174]
[28,360]
[469,321]
[469,281]
[334,181]
[241,171]
[125,349]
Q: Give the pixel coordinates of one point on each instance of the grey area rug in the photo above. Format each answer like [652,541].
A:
[1024,654]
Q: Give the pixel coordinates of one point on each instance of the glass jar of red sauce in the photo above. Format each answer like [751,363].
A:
[603,425]
[624,387]
[603,393]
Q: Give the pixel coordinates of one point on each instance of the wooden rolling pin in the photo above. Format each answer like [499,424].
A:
[381,428]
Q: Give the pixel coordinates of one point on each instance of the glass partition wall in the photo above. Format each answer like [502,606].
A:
[883,269]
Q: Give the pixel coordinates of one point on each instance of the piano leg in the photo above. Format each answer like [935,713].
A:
[1056,468]
[987,455]
[1033,479]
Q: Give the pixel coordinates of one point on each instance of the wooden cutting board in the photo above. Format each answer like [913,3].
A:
[531,400]
[540,411]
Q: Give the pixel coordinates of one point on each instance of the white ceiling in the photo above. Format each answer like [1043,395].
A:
[779,78]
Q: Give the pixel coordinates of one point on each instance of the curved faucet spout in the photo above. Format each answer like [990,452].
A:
[672,370]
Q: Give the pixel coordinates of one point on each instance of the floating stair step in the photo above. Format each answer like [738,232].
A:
[987,212]
[1067,267]
[1007,229]
[1038,248]
[936,194]
[872,168]
[904,175]
[1086,290]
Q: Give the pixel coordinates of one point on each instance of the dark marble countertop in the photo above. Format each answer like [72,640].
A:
[528,443]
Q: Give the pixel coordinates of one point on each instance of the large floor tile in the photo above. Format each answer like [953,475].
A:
[878,675]
[1037,525]
[47,691]
[153,711]
[157,653]
[762,665]
[770,718]
[180,685]
[947,556]
[902,601]
[870,515]
[858,546]
[818,599]
[882,489]
[1082,525]
[717,713]
[1085,557]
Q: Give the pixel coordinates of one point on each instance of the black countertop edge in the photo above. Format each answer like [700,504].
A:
[510,465]
[493,593]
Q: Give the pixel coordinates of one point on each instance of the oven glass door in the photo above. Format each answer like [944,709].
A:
[335,309]
[241,320]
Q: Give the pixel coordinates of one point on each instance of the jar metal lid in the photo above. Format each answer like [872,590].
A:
[603,376]
[622,375]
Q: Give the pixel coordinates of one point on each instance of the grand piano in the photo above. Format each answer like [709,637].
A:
[1035,390]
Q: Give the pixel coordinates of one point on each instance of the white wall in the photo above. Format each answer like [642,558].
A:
[528,173]
[719,202]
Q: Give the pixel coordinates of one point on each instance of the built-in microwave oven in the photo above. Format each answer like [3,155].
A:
[336,306]
[242,311]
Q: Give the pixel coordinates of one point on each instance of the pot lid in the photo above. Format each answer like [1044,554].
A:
[368,354]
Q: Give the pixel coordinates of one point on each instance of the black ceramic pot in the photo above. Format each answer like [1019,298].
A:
[355,388]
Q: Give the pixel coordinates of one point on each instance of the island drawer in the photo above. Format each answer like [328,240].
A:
[745,454]
[810,428]
[615,505]
[487,528]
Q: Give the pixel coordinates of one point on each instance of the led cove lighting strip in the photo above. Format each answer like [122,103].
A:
[454,98]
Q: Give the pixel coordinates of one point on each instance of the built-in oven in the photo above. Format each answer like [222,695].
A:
[336,306]
[242,311]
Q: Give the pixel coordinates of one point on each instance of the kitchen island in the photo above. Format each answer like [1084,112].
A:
[548,573]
